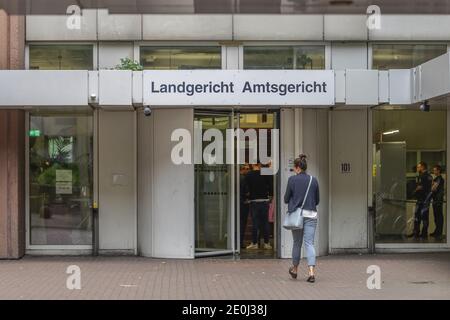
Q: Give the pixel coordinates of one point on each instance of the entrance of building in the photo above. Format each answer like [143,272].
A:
[224,199]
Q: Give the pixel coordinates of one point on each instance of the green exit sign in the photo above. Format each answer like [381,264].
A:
[35,133]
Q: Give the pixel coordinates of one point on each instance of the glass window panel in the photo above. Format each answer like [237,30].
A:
[60,175]
[434,157]
[404,56]
[61,57]
[181,58]
[284,57]
[402,139]
[411,161]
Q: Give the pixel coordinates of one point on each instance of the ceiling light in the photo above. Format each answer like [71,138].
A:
[390,132]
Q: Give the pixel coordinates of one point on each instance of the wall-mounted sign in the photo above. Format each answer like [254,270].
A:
[63,182]
[346,167]
[63,187]
[239,87]
[290,163]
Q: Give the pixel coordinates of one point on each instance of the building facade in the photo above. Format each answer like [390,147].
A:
[75,135]
[12,132]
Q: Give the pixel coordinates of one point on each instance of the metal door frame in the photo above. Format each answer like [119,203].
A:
[50,248]
[232,223]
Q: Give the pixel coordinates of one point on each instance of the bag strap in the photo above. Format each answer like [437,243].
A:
[307,191]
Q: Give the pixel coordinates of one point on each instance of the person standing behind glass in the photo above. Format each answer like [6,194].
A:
[260,192]
[422,194]
[295,193]
[243,201]
[437,190]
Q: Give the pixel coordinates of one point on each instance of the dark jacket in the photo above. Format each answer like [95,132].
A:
[296,190]
[425,181]
[258,186]
[242,188]
[438,193]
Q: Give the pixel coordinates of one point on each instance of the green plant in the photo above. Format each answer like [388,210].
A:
[303,60]
[129,64]
[61,149]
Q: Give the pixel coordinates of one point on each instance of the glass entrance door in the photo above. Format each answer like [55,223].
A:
[60,174]
[224,223]
[214,187]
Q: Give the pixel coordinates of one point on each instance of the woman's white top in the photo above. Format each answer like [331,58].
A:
[309,214]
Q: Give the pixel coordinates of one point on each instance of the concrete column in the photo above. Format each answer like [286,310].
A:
[12,184]
[12,41]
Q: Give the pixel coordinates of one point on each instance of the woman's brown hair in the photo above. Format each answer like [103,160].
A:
[301,163]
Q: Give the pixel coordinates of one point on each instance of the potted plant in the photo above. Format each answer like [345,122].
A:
[129,64]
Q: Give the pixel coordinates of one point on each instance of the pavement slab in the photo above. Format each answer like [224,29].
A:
[403,276]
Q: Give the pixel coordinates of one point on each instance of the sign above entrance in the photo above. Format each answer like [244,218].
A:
[239,87]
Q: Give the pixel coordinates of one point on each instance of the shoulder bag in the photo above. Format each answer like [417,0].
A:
[294,220]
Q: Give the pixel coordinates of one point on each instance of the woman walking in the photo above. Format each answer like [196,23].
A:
[297,189]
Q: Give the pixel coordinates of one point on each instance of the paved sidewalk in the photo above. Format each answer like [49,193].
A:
[404,276]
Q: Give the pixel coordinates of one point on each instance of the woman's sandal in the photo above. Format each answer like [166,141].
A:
[293,274]
[311,279]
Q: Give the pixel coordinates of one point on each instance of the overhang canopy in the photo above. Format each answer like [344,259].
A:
[111,88]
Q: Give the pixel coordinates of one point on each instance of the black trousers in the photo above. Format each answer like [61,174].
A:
[260,221]
[438,217]
[421,216]
[244,211]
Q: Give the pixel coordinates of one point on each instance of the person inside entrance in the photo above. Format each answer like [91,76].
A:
[259,189]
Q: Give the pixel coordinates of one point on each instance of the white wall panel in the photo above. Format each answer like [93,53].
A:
[119,26]
[348,191]
[115,88]
[435,77]
[137,88]
[54,27]
[246,27]
[43,88]
[93,87]
[117,180]
[348,55]
[411,27]
[383,86]
[173,191]
[287,154]
[312,139]
[361,87]
[145,183]
[416,78]
[339,86]
[231,59]
[400,89]
[187,27]
[345,27]
[315,146]
[278,27]
[110,53]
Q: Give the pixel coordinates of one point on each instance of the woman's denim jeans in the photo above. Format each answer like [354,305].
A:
[305,235]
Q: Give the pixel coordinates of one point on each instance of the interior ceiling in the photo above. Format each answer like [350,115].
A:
[436,104]
[230,6]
